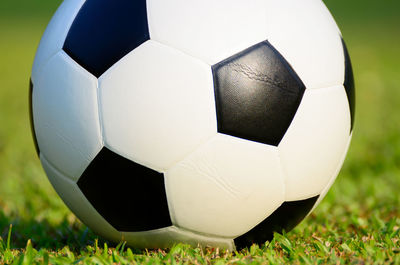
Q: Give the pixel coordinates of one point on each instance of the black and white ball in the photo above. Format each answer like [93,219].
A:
[211,122]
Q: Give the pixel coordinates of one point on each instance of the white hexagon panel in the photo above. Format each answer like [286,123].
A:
[313,146]
[307,36]
[157,105]
[65,114]
[225,187]
[208,29]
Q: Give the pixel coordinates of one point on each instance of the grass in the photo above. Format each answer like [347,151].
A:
[357,223]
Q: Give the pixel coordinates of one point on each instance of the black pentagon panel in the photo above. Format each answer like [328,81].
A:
[129,196]
[31,117]
[104,31]
[285,218]
[349,84]
[257,94]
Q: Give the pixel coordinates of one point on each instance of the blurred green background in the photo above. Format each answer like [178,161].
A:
[365,196]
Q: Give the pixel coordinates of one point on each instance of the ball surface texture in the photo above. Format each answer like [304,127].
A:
[212,122]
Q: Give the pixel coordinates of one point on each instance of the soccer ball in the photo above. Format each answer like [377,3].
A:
[210,122]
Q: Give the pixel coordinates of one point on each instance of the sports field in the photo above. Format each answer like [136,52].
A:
[357,223]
